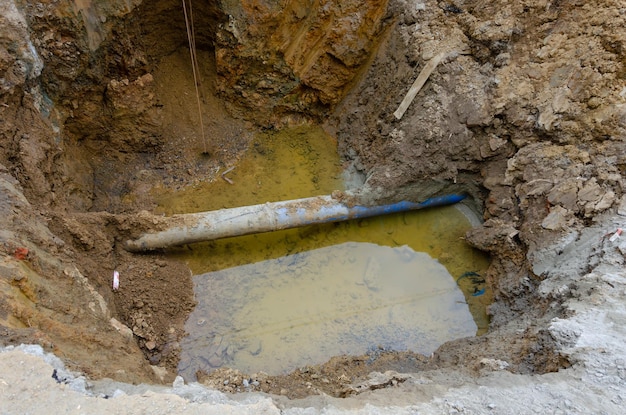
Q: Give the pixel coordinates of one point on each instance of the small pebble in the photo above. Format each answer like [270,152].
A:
[178,382]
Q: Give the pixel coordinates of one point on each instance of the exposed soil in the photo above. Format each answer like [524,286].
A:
[527,114]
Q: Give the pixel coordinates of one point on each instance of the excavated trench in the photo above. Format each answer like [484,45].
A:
[105,121]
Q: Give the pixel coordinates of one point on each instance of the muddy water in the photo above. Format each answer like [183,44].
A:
[277,301]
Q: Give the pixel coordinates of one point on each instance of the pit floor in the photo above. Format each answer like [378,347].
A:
[416,264]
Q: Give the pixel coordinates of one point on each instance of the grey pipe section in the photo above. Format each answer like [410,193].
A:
[206,226]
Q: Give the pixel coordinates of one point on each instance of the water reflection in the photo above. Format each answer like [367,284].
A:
[280,314]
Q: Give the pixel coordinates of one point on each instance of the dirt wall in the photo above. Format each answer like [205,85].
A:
[311,53]
[527,112]
[94,115]
[530,102]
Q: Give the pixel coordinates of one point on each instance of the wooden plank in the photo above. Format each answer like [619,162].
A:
[418,84]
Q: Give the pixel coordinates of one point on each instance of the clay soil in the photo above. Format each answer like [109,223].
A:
[526,114]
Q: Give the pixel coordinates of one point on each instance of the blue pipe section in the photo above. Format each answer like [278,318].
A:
[337,212]
[363,211]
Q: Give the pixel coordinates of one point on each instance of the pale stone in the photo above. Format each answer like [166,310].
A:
[179,382]
[546,119]
[124,330]
[605,202]
[496,142]
[556,219]
[591,191]
[565,194]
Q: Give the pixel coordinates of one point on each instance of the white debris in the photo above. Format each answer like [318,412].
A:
[116,280]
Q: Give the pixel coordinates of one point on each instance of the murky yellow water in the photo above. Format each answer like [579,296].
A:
[282,300]
[285,165]
[280,314]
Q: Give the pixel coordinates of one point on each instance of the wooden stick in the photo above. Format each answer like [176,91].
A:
[226,178]
[418,84]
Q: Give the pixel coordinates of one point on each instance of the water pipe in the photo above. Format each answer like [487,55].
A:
[206,226]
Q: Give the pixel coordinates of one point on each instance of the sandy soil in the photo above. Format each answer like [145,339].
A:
[526,113]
